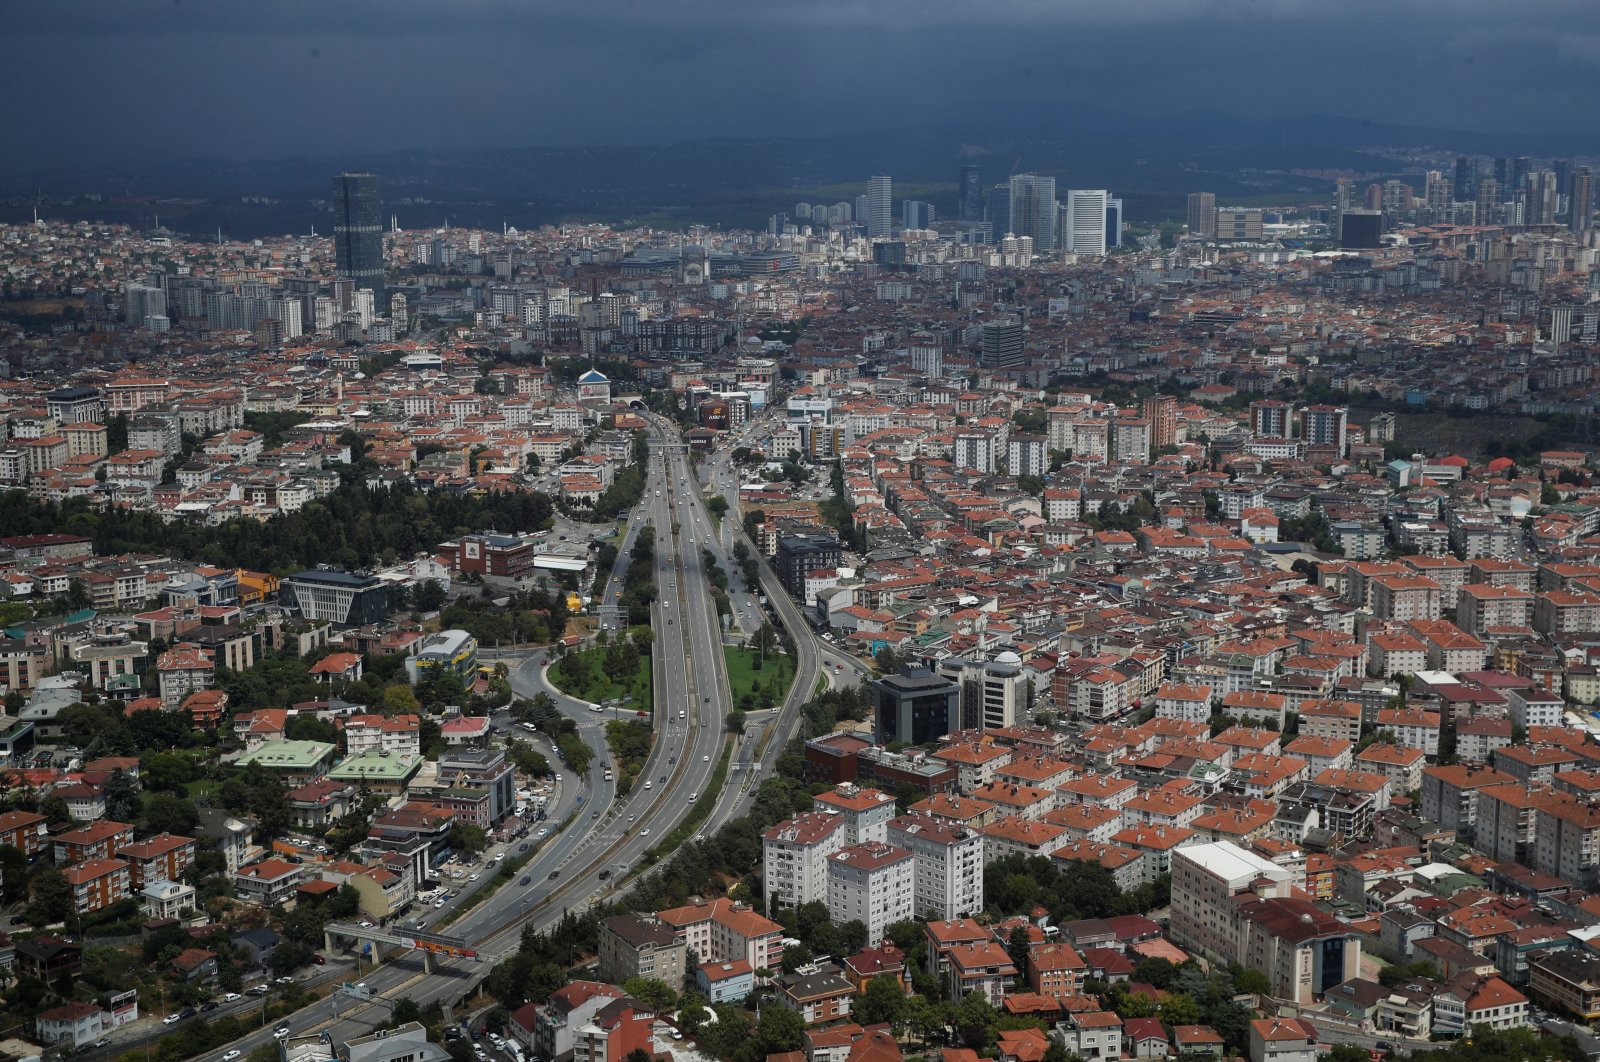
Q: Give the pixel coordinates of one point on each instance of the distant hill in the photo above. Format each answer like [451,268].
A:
[739,181]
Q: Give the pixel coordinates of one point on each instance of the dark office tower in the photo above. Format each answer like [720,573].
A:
[1361,229]
[1521,166]
[1466,179]
[1488,201]
[1502,170]
[1002,343]
[1563,168]
[1540,206]
[1000,210]
[1580,200]
[1033,209]
[1202,214]
[358,233]
[969,194]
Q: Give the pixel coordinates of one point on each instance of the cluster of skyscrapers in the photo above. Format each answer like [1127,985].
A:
[1084,221]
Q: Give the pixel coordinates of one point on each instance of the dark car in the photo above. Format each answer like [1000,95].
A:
[188,1012]
[524,880]
[554,874]
[210,1004]
[604,874]
[1384,1045]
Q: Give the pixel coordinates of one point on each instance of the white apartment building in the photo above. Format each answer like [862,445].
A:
[1191,704]
[866,812]
[1206,879]
[794,858]
[1534,707]
[949,865]
[871,883]
[726,931]
[975,451]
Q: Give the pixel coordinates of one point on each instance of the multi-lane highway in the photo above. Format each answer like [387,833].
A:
[606,836]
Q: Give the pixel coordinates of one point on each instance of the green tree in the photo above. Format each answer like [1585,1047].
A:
[54,809]
[52,898]
[779,1030]
[974,1019]
[122,795]
[167,813]
[1179,1009]
[13,873]
[883,1001]
[691,1012]
[289,956]
[465,837]
[657,993]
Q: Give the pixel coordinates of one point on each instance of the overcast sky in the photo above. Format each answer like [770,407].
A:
[88,79]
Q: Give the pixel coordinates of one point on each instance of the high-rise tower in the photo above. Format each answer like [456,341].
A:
[358,232]
[969,194]
[1033,209]
[1202,214]
[1580,200]
[880,206]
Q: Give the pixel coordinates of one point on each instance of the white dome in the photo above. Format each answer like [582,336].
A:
[1008,657]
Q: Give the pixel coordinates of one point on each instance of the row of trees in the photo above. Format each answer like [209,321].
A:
[353,527]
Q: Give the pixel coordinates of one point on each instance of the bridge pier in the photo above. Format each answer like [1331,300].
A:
[427,962]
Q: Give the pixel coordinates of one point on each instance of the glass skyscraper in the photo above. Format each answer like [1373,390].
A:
[358,232]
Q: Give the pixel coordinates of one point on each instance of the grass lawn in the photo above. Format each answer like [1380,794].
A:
[591,682]
[743,678]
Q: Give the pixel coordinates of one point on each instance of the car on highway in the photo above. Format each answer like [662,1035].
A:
[645,832]
[474,876]
[187,1012]
[523,880]
[604,874]
[554,874]
[231,1055]
[648,784]
[104,1041]
[208,1006]
[281,1032]
[543,834]
[172,1019]
[705,759]
[522,847]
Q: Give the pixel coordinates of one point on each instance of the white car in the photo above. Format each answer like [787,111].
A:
[172,1019]
[231,997]
[705,759]
[649,785]
[281,1032]
[645,832]
[231,1055]
[474,876]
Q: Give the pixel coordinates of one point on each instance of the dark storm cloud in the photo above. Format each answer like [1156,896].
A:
[138,78]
